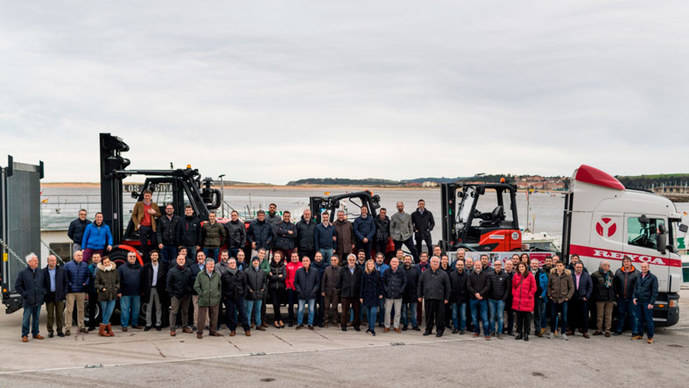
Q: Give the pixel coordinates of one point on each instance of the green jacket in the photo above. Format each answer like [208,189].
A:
[265,265]
[213,235]
[208,288]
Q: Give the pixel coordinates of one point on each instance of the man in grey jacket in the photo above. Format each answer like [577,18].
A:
[401,230]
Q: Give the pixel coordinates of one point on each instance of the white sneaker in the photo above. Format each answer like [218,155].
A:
[564,336]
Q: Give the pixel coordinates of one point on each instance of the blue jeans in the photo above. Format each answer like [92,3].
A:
[128,302]
[497,309]
[168,254]
[328,253]
[626,307]
[253,305]
[300,310]
[558,308]
[459,316]
[212,253]
[106,309]
[646,319]
[31,313]
[409,308]
[540,316]
[479,306]
[371,312]
[381,310]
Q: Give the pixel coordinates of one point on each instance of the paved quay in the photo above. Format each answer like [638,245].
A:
[330,357]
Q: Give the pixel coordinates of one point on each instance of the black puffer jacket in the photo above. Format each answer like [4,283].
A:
[382,228]
[411,292]
[459,287]
[236,234]
[76,230]
[434,285]
[500,285]
[285,236]
[307,283]
[167,231]
[233,284]
[179,281]
[305,235]
[479,282]
[256,280]
[189,231]
[277,275]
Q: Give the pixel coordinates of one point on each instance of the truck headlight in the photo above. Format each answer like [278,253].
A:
[672,303]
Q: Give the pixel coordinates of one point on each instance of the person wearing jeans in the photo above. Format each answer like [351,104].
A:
[306,283]
[107,284]
[499,292]
[410,296]
[625,281]
[291,271]
[30,285]
[645,294]
[78,277]
[560,291]
[478,286]
[371,293]
[256,282]
[324,237]
[458,297]
[130,292]
[540,298]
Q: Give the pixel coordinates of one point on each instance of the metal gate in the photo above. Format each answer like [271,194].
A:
[20,223]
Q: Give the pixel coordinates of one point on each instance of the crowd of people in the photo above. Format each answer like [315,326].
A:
[198,276]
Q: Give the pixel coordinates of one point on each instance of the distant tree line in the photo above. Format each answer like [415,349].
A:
[648,181]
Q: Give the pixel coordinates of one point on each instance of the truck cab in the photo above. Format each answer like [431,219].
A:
[603,220]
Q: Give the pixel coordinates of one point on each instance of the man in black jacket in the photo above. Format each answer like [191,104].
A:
[458,297]
[500,287]
[285,235]
[350,289]
[153,282]
[423,223]
[394,283]
[382,223]
[55,284]
[434,290]
[306,283]
[625,281]
[178,286]
[168,235]
[579,310]
[604,295]
[410,297]
[189,234]
[306,230]
[236,234]
[478,286]
[130,292]
[76,230]
[29,285]
[233,289]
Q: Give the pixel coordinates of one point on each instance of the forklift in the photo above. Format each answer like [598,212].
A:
[177,186]
[465,226]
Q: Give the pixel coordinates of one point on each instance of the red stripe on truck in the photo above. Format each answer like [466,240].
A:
[619,255]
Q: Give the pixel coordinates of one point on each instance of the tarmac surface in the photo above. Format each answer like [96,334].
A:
[329,357]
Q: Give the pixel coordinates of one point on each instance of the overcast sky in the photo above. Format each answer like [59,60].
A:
[274,91]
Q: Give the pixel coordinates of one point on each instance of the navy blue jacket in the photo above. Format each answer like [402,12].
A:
[323,237]
[61,283]
[283,239]
[130,279]
[646,288]
[410,291]
[371,288]
[585,286]
[76,230]
[261,233]
[364,227]
[306,283]
[78,276]
[29,285]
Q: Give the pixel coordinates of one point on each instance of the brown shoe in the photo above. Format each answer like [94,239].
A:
[586,335]
[25,339]
[650,340]
[67,333]
[108,330]
[637,337]
[607,334]
[248,333]
[124,329]
[172,333]
[199,335]
[101,330]
[386,330]
[187,330]
[233,333]
[398,331]
[38,337]
[264,325]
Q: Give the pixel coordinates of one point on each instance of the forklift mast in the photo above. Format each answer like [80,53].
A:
[331,204]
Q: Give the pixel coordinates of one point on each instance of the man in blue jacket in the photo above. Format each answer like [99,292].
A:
[583,287]
[76,230]
[260,233]
[29,285]
[55,284]
[645,294]
[324,237]
[364,231]
[97,238]
[78,279]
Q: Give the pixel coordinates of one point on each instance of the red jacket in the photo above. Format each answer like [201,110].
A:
[291,270]
[523,294]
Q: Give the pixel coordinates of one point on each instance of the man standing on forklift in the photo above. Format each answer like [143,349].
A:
[401,231]
[423,222]
[144,217]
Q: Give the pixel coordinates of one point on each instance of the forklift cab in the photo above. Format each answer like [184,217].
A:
[480,225]
[350,203]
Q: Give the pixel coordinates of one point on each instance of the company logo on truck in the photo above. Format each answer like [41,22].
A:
[617,255]
[605,227]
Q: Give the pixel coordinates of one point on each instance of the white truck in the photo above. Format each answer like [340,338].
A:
[605,221]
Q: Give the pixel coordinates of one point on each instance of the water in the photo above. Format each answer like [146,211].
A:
[62,204]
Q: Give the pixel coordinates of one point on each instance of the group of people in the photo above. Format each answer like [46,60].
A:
[329,270]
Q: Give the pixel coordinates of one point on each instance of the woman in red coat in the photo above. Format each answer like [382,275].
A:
[523,290]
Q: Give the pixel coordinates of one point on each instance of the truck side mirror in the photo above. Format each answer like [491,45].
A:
[683,228]
[661,242]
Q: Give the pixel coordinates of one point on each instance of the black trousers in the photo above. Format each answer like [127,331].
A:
[275,296]
[523,322]
[381,246]
[355,305]
[580,315]
[409,243]
[234,311]
[424,237]
[146,234]
[435,313]
[91,309]
[365,246]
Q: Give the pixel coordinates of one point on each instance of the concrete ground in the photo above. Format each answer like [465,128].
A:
[329,357]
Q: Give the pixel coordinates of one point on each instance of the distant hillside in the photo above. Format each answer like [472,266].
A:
[344,181]
[646,181]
